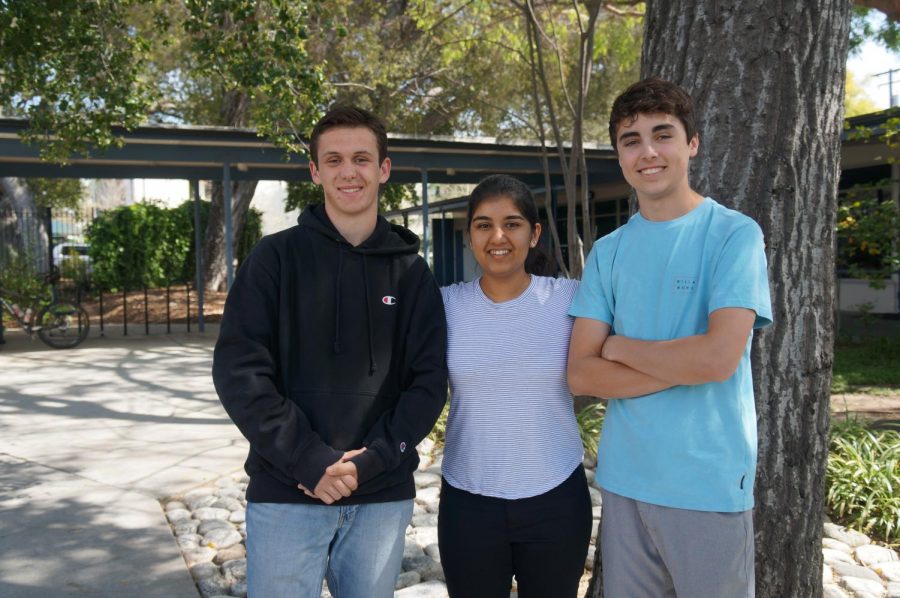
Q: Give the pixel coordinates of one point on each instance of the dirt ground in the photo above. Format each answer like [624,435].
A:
[868,406]
[181,301]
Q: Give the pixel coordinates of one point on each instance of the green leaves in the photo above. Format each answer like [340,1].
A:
[863,476]
[74,69]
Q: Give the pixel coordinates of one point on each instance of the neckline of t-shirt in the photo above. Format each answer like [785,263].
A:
[679,221]
[508,302]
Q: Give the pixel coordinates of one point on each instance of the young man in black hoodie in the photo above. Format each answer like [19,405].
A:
[331,361]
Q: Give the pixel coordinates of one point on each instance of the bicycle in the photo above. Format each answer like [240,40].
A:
[59,324]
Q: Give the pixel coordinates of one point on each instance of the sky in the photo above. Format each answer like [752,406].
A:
[871,60]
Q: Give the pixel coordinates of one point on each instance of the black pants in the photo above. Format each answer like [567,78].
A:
[542,540]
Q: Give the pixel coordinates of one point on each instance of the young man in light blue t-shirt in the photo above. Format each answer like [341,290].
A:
[664,319]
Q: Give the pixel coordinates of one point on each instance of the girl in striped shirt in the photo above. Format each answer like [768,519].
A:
[514,498]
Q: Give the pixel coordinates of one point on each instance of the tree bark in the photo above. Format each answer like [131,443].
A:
[214,270]
[22,229]
[768,81]
[233,113]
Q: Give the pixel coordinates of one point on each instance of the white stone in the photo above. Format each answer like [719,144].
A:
[198,492]
[209,525]
[425,566]
[589,561]
[836,556]
[205,513]
[596,500]
[232,553]
[188,541]
[204,570]
[429,589]
[596,512]
[418,509]
[434,551]
[186,527]
[423,536]
[890,571]
[869,554]
[406,579]
[893,590]
[850,537]
[198,502]
[845,570]
[411,549]
[222,538]
[836,545]
[425,447]
[232,504]
[178,515]
[426,480]
[425,520]
[202,554]
[428,495]
[863,588]
[173,505]
[833,591]
[239,589]
[236,569]
[213,585]
[595,529]
[238,516]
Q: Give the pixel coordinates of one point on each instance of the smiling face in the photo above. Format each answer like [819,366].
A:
[654,154]
[501,237]
[348,170]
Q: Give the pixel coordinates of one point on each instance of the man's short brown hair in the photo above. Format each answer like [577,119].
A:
[348,116]
[648,96]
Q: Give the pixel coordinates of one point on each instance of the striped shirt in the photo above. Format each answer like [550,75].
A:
[511,432]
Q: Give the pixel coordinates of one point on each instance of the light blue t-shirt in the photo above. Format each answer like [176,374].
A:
[688,447]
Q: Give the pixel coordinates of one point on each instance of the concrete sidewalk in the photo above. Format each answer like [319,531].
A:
[90,439]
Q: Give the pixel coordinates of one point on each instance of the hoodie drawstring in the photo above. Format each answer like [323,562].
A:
[372,365]
[337,294]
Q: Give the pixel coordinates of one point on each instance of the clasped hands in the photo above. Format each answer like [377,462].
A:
[339,481]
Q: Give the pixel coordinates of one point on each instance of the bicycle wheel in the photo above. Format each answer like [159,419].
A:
[63,325]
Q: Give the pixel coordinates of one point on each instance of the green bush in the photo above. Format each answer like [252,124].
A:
[138,245]
[148,245]
[590,421]
[863,476]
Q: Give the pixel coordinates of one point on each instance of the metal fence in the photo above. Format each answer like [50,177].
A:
[34,243]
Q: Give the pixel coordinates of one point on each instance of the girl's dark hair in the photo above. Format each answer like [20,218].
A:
[502,185]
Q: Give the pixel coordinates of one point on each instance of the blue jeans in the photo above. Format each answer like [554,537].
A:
[291,548]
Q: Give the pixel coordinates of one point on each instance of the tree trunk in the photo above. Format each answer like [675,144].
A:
[23,232]
[768,81]
[214,242]
[233,113]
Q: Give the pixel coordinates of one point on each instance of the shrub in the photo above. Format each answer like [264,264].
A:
[138,245]
[590,420]
[863,476]
[149,245]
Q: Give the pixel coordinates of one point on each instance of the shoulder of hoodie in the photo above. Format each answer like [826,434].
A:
[272,249]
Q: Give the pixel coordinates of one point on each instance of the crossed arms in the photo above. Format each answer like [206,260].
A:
[618,367]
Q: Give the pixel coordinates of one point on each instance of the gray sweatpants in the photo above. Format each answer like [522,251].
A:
[652,551]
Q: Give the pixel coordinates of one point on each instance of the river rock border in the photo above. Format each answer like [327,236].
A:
[209,528]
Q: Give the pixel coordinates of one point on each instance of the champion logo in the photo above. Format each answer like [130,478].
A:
[402,447]
[389,300]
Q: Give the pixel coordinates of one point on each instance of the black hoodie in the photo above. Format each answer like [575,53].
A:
[325,347]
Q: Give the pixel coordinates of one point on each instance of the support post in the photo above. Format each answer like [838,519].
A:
[198,251]
[425,214]
[229,241]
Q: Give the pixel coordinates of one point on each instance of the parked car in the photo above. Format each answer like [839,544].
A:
[68,255]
